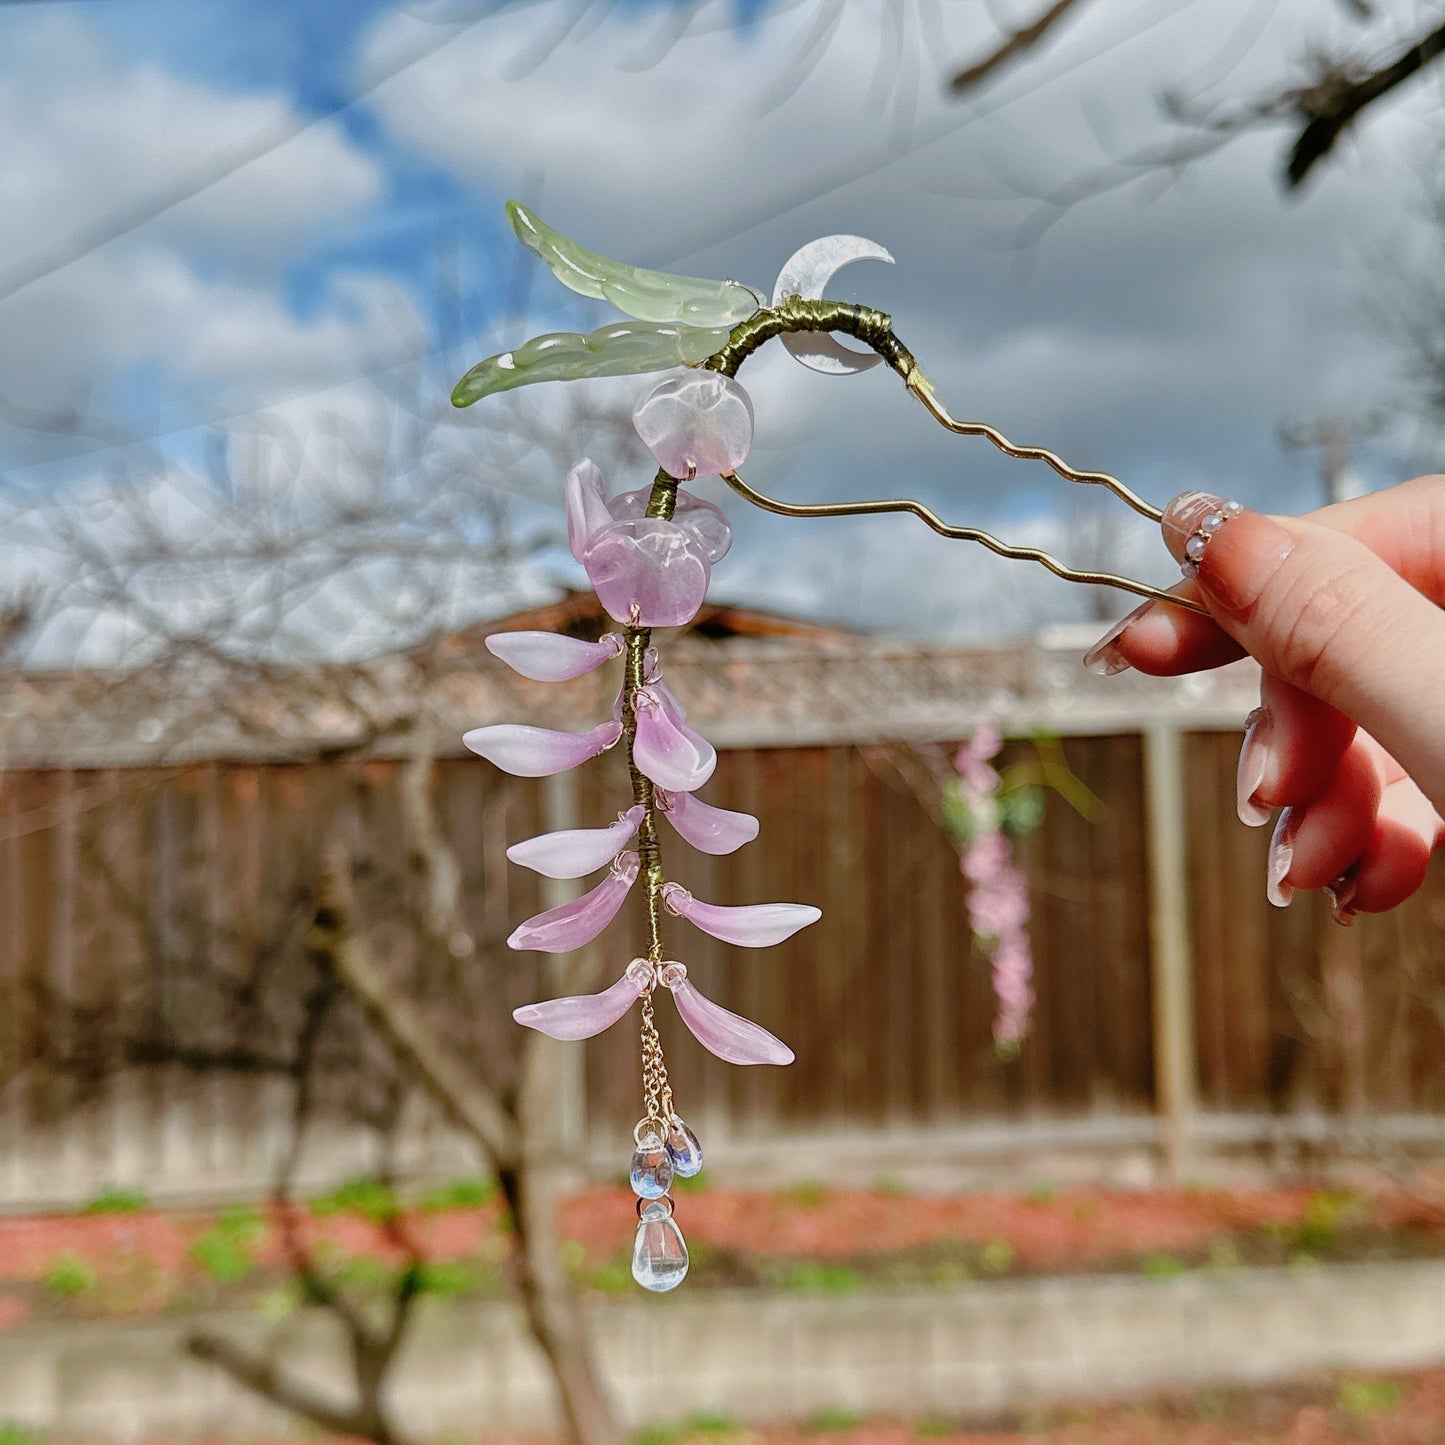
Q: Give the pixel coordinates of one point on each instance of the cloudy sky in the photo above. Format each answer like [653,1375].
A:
[217,209]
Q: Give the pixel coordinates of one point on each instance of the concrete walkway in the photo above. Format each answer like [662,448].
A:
[981,1348]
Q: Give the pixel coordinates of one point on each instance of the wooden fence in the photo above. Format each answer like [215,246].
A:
[154,952]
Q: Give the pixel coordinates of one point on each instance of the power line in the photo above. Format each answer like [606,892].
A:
[89,239]
[678,252]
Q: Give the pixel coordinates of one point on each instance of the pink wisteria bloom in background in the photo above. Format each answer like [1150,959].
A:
[998,899]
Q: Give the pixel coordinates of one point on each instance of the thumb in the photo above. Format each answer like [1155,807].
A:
[1319,609]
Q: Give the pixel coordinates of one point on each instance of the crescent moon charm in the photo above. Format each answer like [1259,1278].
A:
[806,273]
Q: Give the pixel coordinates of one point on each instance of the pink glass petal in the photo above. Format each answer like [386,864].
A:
[753,925]
[650,572]
[696,421]
[551,656]
[569,926]
[726,1034]
[530,752]
[576,852]
[668,699]
[670,753]
[586,494]
[584,1015]
[708,829]
[706,522]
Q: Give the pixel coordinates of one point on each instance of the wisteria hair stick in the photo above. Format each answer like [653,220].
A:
[649,554]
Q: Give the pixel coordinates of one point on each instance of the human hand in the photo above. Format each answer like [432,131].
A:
[1342,610]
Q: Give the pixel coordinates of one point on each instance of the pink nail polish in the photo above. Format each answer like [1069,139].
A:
[1281,856]
[1182,518]
[1233,552]
[1255,757]
[1104,659]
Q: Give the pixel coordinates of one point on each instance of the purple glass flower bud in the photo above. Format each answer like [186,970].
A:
[708,829]
[668,752]
[529,752]
[707,522]
[576,852]
[551,656]
[570,925]
[718,1030]
[697,422]
[649,573]
[584,1015]
[754,925]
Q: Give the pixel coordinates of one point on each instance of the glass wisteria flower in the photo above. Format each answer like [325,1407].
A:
[649,554]
[696,423]
[529,752]
[648,571]
[719,1031]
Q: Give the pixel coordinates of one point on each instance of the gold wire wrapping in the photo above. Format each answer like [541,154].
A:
[875,329]
[656,1091]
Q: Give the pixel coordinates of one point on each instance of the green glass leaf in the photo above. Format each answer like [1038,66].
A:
[647,295]
[625,348]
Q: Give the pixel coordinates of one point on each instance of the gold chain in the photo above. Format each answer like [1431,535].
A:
[656,1091]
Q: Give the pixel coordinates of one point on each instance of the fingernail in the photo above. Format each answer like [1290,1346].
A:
[1104,658]
[1281,856]
[1341,894]
[1232,551]
[1182,518]
[1255,757]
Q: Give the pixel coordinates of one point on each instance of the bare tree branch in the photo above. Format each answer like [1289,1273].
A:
[1329,107]
[263,1378]
[401,1022]
[1013,46]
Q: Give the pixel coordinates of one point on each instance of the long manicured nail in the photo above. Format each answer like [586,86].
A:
[1233,552]
[1104,658]
[1255,756]
[1281,856]
[1342,895]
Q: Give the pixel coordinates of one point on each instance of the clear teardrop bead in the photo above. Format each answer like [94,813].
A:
[651,1172]
[684,1150]
[659,1253]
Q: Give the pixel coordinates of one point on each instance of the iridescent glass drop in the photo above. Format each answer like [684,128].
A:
[684,1150]
[659,1253]
[651,1172]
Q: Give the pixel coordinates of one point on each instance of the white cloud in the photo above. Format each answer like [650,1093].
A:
[196,293]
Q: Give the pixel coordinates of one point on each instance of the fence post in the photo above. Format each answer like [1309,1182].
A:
[1171,962]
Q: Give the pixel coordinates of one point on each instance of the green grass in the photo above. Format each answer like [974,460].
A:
[934,1427]
[996,1257]
[1162,1266]
[68,1275]
[12,1432]
[832,1419]
[707,1422]
[817,1276]
[807,1194]
[459,1194]
[226,1252]
[712,1422]
[369,1198]
[116,1199]
[1367,1396]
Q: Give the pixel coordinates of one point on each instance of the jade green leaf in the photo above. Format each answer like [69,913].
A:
[647,295]
[623,349]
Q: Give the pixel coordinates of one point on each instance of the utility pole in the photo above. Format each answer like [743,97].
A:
[1333,436]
